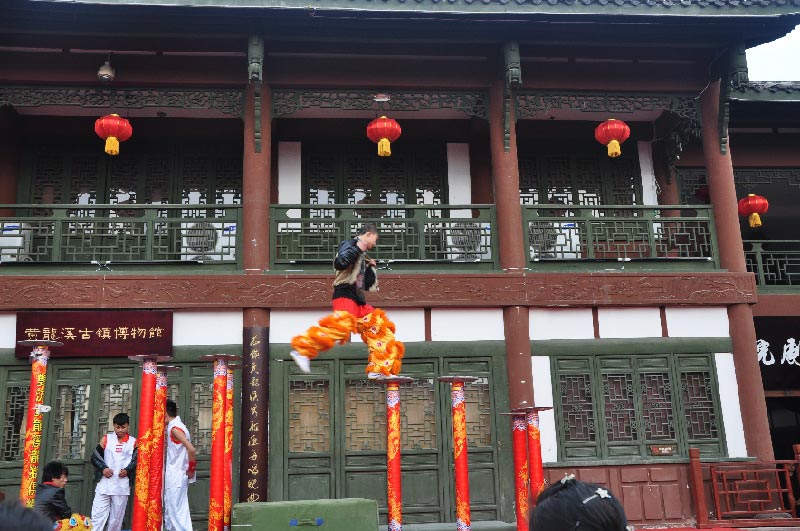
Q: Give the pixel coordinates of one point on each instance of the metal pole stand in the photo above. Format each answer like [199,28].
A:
[528,469]
[228,500]
[141,494]
[216,502]
[394,482]
[460,454]
[33,427]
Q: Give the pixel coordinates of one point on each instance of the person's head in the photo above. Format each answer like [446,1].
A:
[172,409]
[368,234]
[55,472]
[121,423]
[15,516]
[572,505]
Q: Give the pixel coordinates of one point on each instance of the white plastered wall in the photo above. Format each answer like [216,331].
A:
[220,327]
[485,324]
[285,324]
[649,188]
[8,330]
[289,181]
[459,184]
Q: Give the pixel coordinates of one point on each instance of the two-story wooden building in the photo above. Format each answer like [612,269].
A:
[512,247]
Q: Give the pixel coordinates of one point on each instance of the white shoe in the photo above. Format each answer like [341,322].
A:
[302,362]
[375,376]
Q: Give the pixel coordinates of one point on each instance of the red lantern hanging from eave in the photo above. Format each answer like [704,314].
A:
[114,129]
[753,206]
[612,133]
[383,131]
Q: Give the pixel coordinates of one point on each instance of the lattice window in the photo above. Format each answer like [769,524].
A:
[114,398]
[70,422]
[365,417]
[345,176]
[579,418]
[418,416]
[620,409]
[479,413]
[656,393]
[199,419]
[579,180]
[637,405]
[698,405]
[310,416]
[14,419]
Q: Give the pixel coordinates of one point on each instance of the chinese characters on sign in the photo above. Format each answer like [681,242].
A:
[791,351]
[253,467]
[98,333]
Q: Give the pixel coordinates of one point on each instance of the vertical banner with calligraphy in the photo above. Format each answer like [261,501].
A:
[254,460]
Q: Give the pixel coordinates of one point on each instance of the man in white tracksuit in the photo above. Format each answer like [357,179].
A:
[178,473]
[114,460]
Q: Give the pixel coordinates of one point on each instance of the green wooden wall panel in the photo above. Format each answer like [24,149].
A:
[310,486]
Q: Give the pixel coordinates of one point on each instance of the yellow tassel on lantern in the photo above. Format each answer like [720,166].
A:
[384,148]
[613,149]
[112,145]
[755,220]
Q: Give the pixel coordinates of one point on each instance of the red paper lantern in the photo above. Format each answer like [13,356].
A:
[612,133]
[753,206]
[383,131]
[114,129]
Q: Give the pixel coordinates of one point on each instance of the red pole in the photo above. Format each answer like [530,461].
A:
[460,456]
[145,428]
[217,484]
[155,512]
[535,469]
[518,434]
[226,514]
[33,427]
[394,489]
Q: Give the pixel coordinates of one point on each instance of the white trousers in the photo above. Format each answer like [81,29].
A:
[108,508]
[176,509]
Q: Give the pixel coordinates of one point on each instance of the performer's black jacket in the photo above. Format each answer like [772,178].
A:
[348,257]
[100,464]
[51,502]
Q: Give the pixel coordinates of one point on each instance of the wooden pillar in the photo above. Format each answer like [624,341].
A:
[722,190]
[254,440]
[254,447]
[505,177]
[256,182]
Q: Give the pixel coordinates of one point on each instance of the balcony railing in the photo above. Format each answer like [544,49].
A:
[127,233]
[661,233]
[774,262]
[305,237]
[411,236]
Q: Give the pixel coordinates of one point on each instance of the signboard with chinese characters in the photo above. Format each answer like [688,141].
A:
[778,351]
[98,333]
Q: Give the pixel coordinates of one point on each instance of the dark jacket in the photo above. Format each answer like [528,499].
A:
[100,464]
[353,277]
[51,502]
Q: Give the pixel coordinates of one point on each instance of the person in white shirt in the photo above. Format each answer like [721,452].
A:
[179,471]
[114,460]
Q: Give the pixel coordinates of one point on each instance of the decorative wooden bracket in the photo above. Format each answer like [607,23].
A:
[255,62]
[513,79]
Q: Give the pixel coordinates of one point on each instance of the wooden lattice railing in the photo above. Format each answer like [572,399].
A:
[752,494]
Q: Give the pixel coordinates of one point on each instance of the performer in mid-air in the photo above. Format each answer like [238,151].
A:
[355,274]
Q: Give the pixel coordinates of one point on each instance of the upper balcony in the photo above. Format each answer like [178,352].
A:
[442,238]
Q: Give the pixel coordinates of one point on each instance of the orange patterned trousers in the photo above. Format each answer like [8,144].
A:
[372,324]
